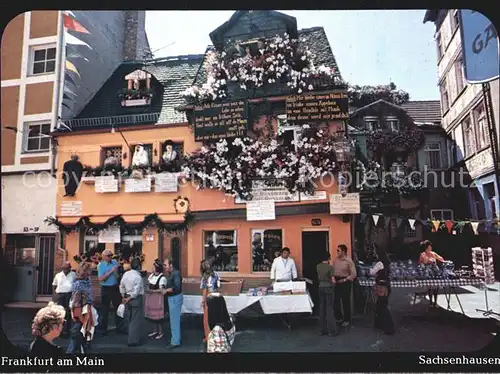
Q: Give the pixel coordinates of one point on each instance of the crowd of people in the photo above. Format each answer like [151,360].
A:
[73,310]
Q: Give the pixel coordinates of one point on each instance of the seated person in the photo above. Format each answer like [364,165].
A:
[170,157]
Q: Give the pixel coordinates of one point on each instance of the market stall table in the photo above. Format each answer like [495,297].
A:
[270,304]
[448,285]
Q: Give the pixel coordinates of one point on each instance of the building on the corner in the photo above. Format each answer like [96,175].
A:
[112,125]
[49,72]
[464,116]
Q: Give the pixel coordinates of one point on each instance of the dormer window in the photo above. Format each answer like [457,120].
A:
[138,91]
[372,123]
[392,123]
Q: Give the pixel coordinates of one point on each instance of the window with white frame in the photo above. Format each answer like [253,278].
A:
[439,45]
[479,114]
[470,137]
[433,155]
[445,98]
[290,134]
[371,123]
[222,249]
[43,59]
[442,214]
[459,73]
[36,137]
[392,123]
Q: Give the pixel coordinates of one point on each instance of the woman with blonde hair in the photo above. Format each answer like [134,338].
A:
[47,326]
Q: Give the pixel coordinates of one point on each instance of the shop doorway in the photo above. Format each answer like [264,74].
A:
[45,268]
[21,251]
[314,246]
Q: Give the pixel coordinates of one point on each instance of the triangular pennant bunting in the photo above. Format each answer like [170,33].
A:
[436,224]
[363,217]
[71,67]
[399,221]
[449,225]
[74,25]
[411,221]
[375,218]
[72,54]
[68,90]
[424,222]
[70,39]
[69,13]
[475,226]
[387,221]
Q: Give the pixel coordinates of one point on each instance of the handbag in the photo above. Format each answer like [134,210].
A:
[120,311]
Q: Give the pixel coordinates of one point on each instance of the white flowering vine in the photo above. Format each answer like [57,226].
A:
[282,60]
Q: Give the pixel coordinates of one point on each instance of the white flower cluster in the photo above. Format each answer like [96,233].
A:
[282,60]
[231,168]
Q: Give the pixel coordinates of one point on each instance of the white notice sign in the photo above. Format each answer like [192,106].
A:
[279,194]
[138,185]
[71,208]
[106,184]
[110,235]
[166,182]
[261,210]
[348,204]
[318,195]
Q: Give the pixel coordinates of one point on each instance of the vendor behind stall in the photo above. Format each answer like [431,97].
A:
[283,268]
[428,257]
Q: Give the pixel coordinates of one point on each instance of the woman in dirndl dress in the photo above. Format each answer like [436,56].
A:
[210,283]
[156,283]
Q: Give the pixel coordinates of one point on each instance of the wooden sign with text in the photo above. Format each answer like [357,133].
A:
[214,121]
[316,107]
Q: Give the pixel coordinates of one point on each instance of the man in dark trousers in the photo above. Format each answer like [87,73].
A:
[344,271]
[326,281]
[63,286]
[72,175]
[107,271]
[132,292]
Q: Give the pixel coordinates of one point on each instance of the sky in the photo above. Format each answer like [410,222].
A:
[370,46]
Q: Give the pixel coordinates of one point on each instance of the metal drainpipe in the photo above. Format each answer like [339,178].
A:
[59,70]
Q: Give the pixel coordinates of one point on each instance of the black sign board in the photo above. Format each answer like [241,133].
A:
[316,222]
[214,121]
[317,107]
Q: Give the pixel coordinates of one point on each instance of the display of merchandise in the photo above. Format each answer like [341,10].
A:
[482,264]
[411,270]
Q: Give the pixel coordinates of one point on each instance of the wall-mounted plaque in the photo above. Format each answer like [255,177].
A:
[317,107]
[318,195]
[138,185]
[110,235]
[263,210]
[106,184]
[279,194]
[71,208]
[345,204]
[214,121]
[166,182]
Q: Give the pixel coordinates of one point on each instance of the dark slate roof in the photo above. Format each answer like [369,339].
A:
[171,76]
[315,38]
[425,111]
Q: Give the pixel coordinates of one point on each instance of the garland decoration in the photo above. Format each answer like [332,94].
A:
[151,219]
[382,141]
[278,60]
[120,171]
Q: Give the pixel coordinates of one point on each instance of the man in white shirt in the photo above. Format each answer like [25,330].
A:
[132,291]
[283,268]
[63,285]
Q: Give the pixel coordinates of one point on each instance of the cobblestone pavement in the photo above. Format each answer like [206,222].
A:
[418,329]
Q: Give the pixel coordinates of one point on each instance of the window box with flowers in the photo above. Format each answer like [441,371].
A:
[135,97]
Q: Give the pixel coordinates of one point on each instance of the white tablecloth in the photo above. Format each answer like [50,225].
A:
[235,304]
[271,304]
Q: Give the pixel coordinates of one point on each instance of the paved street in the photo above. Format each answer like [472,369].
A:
[418,329]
